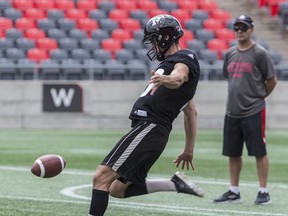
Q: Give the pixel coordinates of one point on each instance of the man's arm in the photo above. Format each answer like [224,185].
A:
[270,85]
[178,76]
[190,125]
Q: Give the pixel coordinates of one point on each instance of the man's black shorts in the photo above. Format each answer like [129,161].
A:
[250,130]
[137,151]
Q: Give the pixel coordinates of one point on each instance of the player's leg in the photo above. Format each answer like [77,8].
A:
[102,179]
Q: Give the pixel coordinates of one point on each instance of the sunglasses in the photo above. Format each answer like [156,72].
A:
[243,28]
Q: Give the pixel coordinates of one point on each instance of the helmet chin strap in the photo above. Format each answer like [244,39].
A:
[161,54]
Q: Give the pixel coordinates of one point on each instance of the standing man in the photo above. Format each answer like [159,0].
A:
[170,90]
[251,78]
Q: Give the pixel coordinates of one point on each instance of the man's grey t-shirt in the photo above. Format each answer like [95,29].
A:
[246,72]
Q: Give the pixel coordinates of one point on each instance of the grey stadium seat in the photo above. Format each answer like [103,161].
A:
[56,33]
[73,70]
[116,70]
[99,34]
[15,54]
[14,33]
[80,54]
[8,69]
[102,55]
[137,70]
[68,44]
[66,24]
[95,69]
[89,44]
[12,13]
[6,43]
[124,55]
[77,34]
[55,14]
[46,24]
[27,69]
[49,70]
[58,54]
[25,43]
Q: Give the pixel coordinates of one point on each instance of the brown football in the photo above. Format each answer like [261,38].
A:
[48,166]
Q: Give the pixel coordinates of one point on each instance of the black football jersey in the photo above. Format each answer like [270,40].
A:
[165,104]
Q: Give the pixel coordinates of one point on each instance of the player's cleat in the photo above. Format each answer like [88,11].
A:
[183,186]
[228,197]
[263,199]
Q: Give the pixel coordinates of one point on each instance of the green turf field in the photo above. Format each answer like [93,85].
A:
[22,194]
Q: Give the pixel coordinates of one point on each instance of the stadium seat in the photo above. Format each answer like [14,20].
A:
[123,55]
[46,24]
[275,56]
[56,33]
[75,14]
[200,15]
[188,35]
[46,44]
[213,24]
[55,14]
[4,4]
[167,5]
[90,44]
[193,24]
[141,54]
[126,5]
[58,54]
[208,56]
[282,70]
[49,70]
[44,4]
[14,33]
[147,5]
[111,44]
[27,69]
[138,14]
[64,4]
[73,70]
[68,44]
[97,14]
[37,55]
[25,43]
[85,5]
[34,13]
[34,33]
[77,34]
[118,14]
[102,55]
[116,70]
[130,24]
[181,14]
[80,54]
[6,43]
[106,6]
[204,35]
[8,69]
[121,34]
[217,70]
[132,44]
[220,14]
[225,34]
[5,23]
[217,45]
[108,24]
[99,34]
[138,34]
[188,5]
[208,5]
[24,23]
[206,70]
[12,13]
[196,45]
[136,69]
[66,24]
[87,25]
[15,54]
[153,13]
[95,69]
[23,4]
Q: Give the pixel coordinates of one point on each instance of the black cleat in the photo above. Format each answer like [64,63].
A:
[183,186]
[263,199]
[228,197]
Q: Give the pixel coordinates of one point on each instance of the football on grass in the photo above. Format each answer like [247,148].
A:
[48,166]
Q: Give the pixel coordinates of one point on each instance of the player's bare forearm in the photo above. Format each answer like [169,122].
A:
[270,85]
[190,125]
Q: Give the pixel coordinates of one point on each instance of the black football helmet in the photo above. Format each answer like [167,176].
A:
[161,31]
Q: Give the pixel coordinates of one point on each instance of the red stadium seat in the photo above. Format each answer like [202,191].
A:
[181,15]
[188,35]
[213,24]
[24,23]
[130,24]
[2,35]
[86,5]
[118,14]
[217,45]
[64,4]
[75,14]
[225,34]
[23,4]
[34,33]
[44,4]
[156,12]
[5,23]
[187,5]
[111,44]
[34,13]
[220,14]
[273,6]
[121,34]
[127,5]
[37,54]
[47,44]
[147,5]
[87,25]
[208,5]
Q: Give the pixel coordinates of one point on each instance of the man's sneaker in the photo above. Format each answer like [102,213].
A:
[263,199]
[228,197]
[183,186]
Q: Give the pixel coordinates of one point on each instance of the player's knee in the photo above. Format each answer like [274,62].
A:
[103,177]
